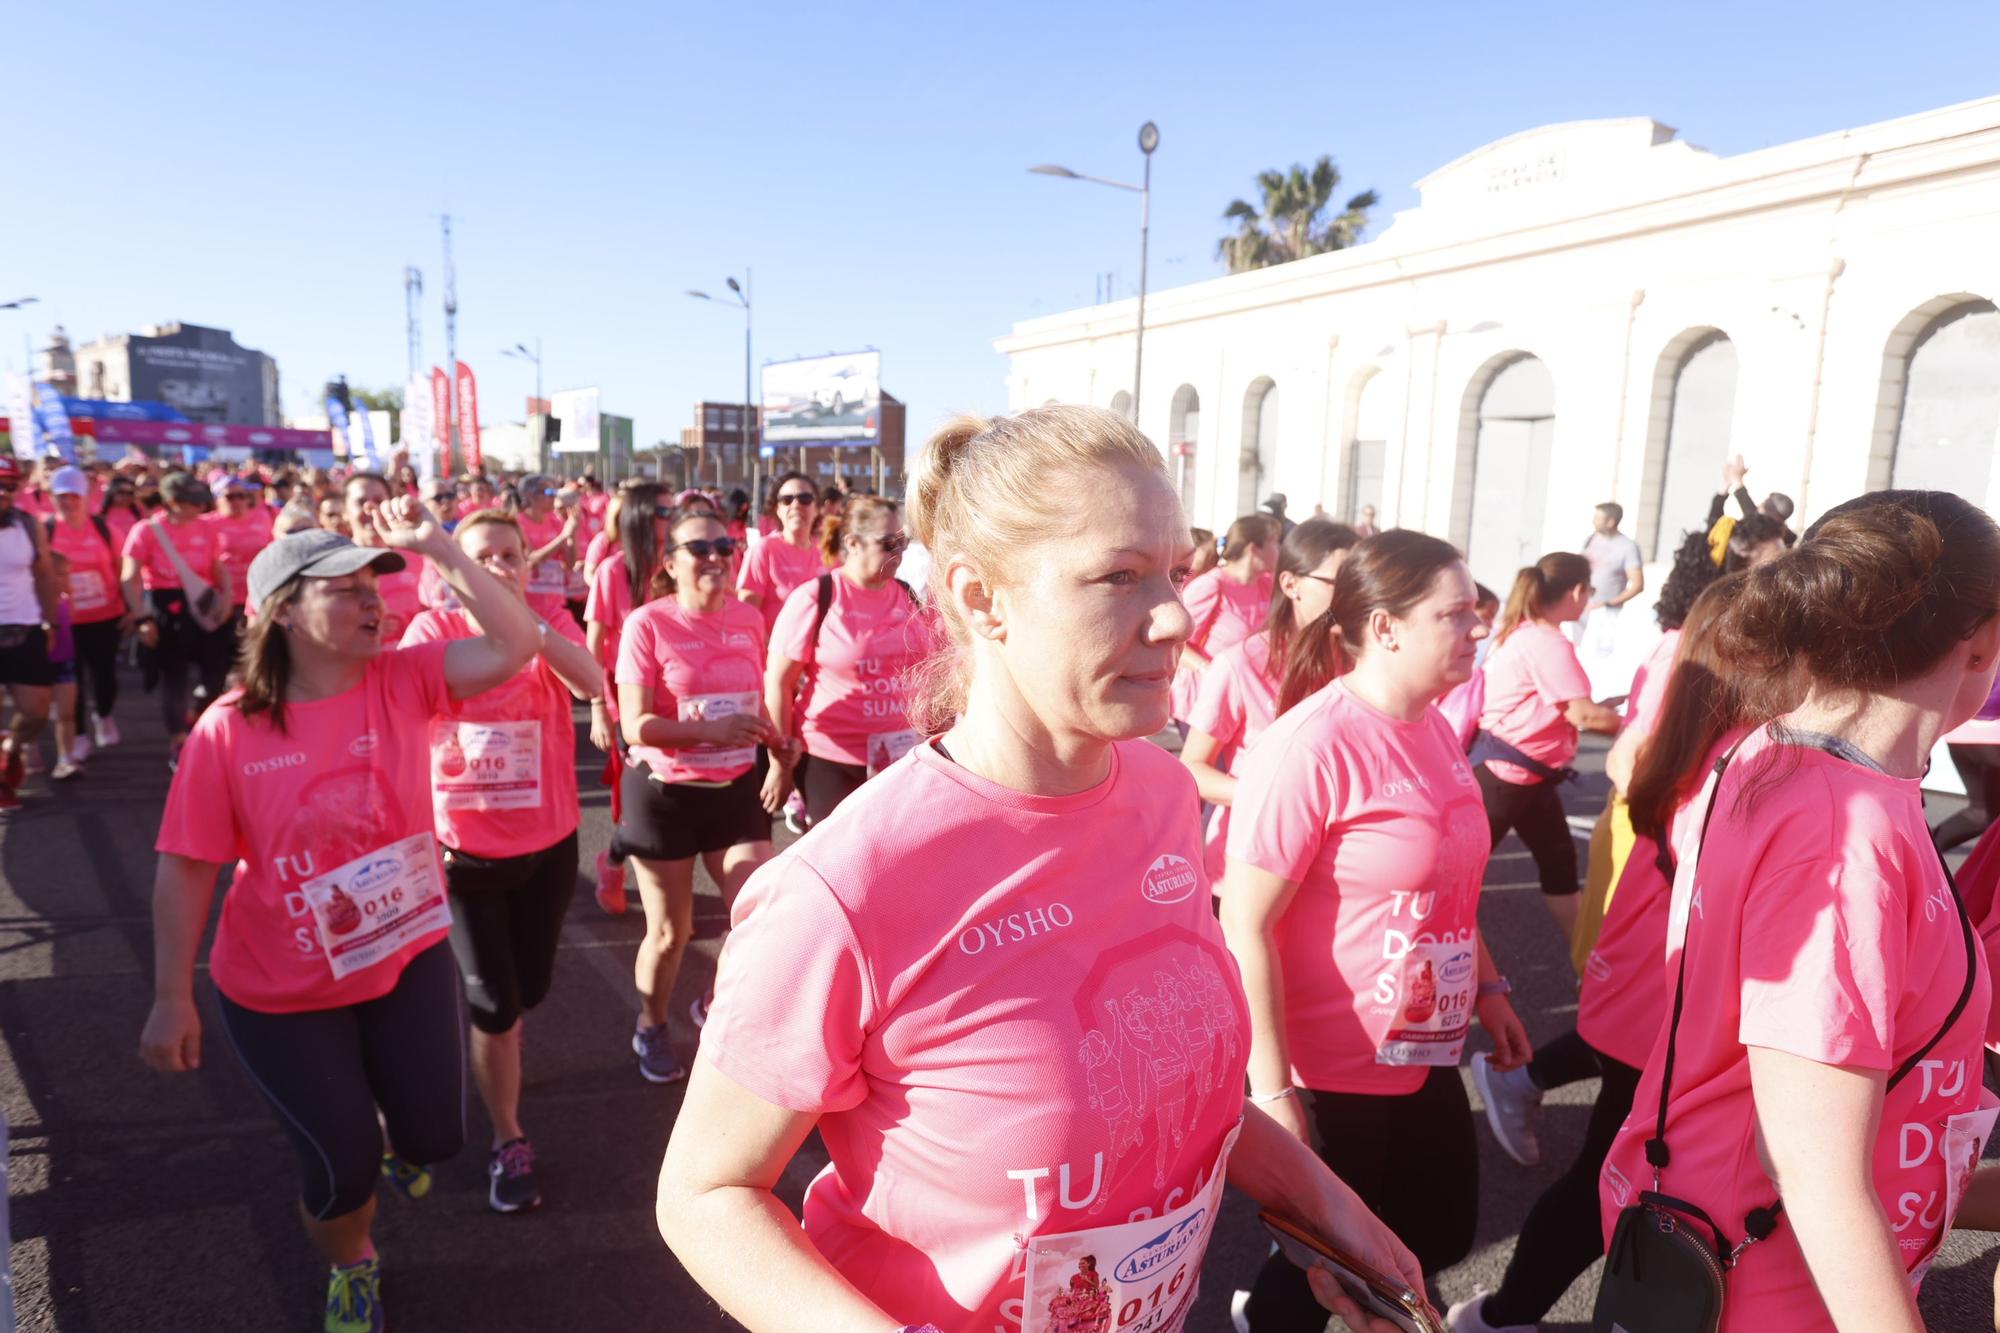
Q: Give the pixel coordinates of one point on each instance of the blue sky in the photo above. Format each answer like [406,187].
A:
[272,168]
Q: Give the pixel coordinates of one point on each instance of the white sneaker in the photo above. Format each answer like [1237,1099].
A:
[1511,1099]
[79,749]
[1465,1317]
[1239,1305]
[106,733]
[64,771]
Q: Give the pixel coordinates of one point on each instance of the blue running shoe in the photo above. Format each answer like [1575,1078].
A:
[354,1298]
[413,1180]
[656,1055]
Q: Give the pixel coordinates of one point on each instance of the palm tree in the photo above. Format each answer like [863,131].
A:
[1289,225]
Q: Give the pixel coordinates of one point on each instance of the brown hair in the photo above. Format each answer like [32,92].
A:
[1246,532]
[865,516]
[643,574]
[979,492]
[479,518]
[1538,586]
[1304,549]
[1391,571]
[264,663]
[1205,557]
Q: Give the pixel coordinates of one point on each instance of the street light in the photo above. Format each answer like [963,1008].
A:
[753,461]
[24,301]
[1149,139]
[520,352]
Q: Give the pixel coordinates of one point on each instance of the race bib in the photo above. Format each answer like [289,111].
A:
[371,907]
[1435,1008]
[1962,1144]
[549,577]
[1134,1277]
[486,765]
[87,591]
[702,707]
[886,747]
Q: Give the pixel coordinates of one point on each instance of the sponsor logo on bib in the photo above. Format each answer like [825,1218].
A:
[1168,880]
[1160,1252]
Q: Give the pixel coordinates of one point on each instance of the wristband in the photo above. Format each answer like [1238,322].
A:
[1266,1098]
[1497,986]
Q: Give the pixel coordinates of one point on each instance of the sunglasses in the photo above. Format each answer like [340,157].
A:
[797,498]
[1321,578]
[892,544]
[701,548]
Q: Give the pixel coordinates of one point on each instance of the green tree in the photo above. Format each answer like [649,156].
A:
[1292,221]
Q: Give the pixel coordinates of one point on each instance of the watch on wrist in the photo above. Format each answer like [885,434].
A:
[1497,986]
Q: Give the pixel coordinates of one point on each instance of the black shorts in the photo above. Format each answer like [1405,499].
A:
[675,821]
[825,783]
[24,656]
[506,920]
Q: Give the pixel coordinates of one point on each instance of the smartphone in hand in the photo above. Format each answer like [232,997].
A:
[1377,1293]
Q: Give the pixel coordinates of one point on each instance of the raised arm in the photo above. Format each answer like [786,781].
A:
[471,666]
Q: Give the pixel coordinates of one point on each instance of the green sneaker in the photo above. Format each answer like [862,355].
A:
[413,1180]
[354,1298]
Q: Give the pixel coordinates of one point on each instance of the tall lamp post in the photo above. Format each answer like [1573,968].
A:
[1149,139]
[520,352]
[753,465]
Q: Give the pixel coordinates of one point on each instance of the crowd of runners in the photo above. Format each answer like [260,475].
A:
[1039,1027]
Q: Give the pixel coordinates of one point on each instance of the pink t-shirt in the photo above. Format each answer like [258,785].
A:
[195,541]
[347,778]
[237,541]
[1380,824]
[94,594]
[503,764]
[1649,684]
[857,687]
[548,580]
[1979,881]
[1818,923]
[121,522]
[610,601]
[600,546]
[1463,704]
[698,665]
[1024,1022]
[402,597]
[1236,700]
[772,569]
[1225,613]
[1528,680]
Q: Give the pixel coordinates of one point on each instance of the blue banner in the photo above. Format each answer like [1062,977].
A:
[52,424]
[99,409]
[336,420]
[368,439]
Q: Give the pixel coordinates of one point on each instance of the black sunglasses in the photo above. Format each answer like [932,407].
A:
[797,498]
[701,548]
[891,544]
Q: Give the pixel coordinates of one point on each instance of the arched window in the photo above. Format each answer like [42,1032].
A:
[1183,429]
[1368,447]
[1500,498]
[1688,437]
[1942,378]
[1257,462]
[1121,403]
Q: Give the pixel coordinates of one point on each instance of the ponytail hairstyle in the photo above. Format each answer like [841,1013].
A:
[1304,549]
[1391,571]
[635,540]
[865,516]
[264,662]
[1249,531]
[1540,586]
[978,492]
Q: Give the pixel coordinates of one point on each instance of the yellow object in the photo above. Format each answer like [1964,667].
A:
[1718,539]
[1610,847]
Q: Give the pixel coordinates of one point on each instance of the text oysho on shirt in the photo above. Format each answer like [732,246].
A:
[1025,1025]
[857,681]
[698,664]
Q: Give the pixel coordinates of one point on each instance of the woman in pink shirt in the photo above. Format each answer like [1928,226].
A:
[1238,695]
[551,532]
[99,615]
[1537,700]
[330,964]
[838,675]
[1025,1044]
[362,495]
[788,557]
[121,511]
[503,790]
[1227,604]
[1824,1099]
[169,627]
[1356,850]
[690,705]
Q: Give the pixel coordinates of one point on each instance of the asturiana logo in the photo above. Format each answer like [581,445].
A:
[1456,969]
[1169,879]
[1159,1253]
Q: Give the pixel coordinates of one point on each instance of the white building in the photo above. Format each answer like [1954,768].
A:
[1586,312]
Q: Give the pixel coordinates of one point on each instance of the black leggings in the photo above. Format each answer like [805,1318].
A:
[186,646]
[326,1071]
[1535,811]
[1564,1232]
[96,669]
[1566,1060]
[825,783]
[1413,1160]
[506,920]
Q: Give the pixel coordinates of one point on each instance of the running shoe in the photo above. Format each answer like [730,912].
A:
[610,884]
[1239,1311]
[413,1180]
[1511,1099]
[79,749]
[105,732]
[1469,1317]
[354,1298]
[64,770]
[510,1175]
[657,1060]
[698,1010]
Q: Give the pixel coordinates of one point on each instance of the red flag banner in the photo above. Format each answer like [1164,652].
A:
[468,418]
[441,418]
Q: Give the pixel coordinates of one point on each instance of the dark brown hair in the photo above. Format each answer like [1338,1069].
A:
[264,663]
[1537,586]
[1246,532]
[635,540]
[1304,549]
[1391,571]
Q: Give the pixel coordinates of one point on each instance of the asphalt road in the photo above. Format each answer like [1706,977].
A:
[150,1204]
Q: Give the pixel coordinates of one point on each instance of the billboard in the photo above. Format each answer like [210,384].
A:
[824,399]
[580,414]
[201,373]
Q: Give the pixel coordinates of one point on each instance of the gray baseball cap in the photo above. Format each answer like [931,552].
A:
[314,553]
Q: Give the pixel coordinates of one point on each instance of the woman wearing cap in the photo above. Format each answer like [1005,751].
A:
[331,967]
[503,787]
[1026,1042]
[838,677]
[151,572]
[99,614]
[788,557]
[1228,603]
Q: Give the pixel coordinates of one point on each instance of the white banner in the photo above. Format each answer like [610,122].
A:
[21,415]
[417,426]
[580,414]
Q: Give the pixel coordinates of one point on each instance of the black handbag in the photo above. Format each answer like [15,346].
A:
[1664,1270]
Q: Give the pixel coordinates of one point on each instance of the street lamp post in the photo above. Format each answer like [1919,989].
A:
[520,352]
[752,461]
[1149,139]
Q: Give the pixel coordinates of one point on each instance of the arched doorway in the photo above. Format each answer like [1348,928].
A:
[1183,429]
[1258,459]
[1504,473]
[1945,378]
[1367,446]
[1688,439]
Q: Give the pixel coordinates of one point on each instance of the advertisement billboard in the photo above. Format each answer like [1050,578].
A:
[824,399]
[201,373]
[580,414]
